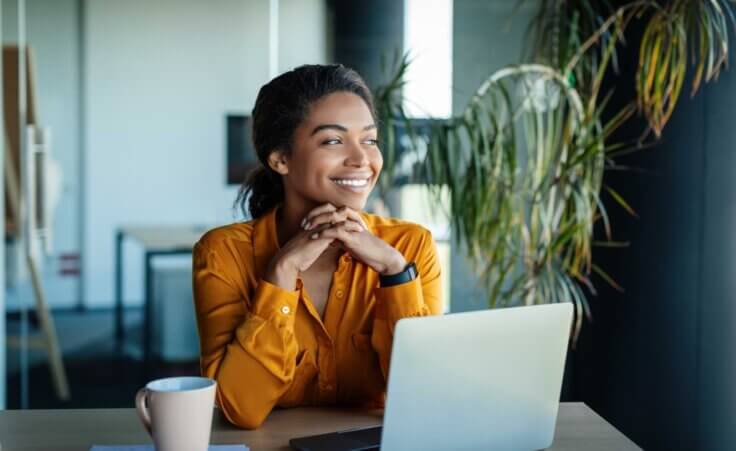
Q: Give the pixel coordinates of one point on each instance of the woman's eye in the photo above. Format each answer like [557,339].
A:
[372,142]
[331,141]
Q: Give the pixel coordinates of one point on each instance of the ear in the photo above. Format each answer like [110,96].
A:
[278,162]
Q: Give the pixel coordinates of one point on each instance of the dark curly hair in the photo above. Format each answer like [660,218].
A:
[281,106]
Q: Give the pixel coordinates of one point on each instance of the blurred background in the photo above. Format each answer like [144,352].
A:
[140,117]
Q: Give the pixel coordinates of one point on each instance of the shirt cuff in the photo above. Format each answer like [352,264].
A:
[275,304]
[400,301]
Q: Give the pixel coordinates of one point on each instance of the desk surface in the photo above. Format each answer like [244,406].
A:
[578,428]
[165,237]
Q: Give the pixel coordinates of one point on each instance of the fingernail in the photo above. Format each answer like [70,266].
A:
[314,236]
[304,221]
[307,226]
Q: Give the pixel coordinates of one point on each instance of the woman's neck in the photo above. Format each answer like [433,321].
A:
[288,220]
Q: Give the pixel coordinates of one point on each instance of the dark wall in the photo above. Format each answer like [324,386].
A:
[366,31]
[717,306]
[659,360]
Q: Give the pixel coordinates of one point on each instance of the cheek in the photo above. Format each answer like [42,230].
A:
[314,169]
[308,162]
[376,159]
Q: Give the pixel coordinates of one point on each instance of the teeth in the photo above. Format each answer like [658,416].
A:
[351,182]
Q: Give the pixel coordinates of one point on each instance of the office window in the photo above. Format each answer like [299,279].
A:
[428,38]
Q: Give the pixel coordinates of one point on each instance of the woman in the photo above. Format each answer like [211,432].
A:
[298,306]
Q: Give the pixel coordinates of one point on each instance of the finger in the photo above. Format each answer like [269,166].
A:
[352,226]
[314,238]
[355,216]
[316,232]
[337,232]
[334,217]
[317,228]
[347,226]
[329,218]
[325,208]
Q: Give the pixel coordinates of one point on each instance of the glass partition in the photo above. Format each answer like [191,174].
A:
[141,114]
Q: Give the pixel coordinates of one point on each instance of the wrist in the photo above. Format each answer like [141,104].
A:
[283,274]
[408,274]
[395,266]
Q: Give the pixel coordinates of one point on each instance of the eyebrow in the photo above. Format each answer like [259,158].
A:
[338,127]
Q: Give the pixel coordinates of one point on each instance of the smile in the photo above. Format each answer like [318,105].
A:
[354,185]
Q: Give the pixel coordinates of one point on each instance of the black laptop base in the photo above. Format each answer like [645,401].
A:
[353,440]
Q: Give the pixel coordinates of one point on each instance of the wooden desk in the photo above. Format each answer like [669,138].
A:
[578,428]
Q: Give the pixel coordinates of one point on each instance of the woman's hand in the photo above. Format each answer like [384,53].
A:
[347,226]
[297,255]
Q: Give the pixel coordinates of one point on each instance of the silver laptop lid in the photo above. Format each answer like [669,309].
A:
[480,380]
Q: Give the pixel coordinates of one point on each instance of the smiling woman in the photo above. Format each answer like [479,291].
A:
[298,306]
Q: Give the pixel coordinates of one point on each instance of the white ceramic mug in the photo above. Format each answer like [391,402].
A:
[177,412]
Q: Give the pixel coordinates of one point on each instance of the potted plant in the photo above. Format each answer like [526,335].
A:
[524,162]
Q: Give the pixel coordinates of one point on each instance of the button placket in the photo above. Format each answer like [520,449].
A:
[328,377]
[327,363]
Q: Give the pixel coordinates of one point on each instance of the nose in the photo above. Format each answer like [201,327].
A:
[356,156]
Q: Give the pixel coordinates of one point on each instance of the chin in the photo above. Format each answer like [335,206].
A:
[354,202]
[357,205]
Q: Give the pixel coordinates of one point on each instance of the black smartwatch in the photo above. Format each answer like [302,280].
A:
[407,275]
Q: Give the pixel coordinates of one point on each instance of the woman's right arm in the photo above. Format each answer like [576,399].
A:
[246,344]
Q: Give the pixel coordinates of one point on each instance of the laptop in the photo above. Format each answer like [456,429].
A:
[489,379]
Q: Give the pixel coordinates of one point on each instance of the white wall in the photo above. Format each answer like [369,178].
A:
[302,34]
[160,77]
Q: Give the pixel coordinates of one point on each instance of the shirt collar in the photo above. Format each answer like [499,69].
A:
[265,240]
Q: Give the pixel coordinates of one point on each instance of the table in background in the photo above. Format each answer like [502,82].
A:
[578,428]
[156,241]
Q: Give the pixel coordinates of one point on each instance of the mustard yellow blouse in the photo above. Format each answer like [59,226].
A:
[267,346]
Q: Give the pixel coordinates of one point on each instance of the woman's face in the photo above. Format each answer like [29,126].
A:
[335,156]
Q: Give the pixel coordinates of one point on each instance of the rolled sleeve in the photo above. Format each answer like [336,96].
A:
[276,304]
[402,301]
[419,297]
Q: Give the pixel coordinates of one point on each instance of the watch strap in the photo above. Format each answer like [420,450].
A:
[407,275]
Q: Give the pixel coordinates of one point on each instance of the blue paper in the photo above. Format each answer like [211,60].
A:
[150,448]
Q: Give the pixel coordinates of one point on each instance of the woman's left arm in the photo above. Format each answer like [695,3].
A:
[419,297]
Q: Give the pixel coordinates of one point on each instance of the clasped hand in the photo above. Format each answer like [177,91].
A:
[329,225]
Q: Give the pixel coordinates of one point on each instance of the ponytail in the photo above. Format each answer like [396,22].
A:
[262,191]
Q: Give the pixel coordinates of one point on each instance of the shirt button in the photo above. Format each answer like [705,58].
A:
[339,294]
[285,310]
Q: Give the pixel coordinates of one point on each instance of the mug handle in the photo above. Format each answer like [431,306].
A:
[142,409]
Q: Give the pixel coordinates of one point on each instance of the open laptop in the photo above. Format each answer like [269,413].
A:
[486,380]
